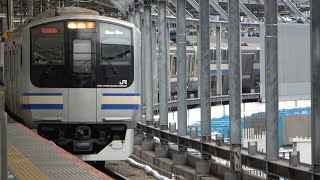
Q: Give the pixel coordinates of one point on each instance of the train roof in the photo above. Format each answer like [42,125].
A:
[63,11]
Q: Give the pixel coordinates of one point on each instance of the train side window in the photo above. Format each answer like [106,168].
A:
[13,64]
[224,55]
[211,54]
[214,54]
[175,65]
[11,70]
[81,56]
[21,55]
[191,69]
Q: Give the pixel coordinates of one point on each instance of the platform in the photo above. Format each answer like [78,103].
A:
[32,157]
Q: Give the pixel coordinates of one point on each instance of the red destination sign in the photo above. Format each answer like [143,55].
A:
[49,30]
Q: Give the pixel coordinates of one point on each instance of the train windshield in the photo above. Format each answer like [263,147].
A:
[63,55]
[48,55]
[116,56]
[48,45]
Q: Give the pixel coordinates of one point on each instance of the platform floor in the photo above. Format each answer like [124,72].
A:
[32,157]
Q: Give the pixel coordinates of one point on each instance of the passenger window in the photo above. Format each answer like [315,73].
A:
[82,56]
[175,65]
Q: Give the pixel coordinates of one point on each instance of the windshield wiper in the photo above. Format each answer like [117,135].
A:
[114,70]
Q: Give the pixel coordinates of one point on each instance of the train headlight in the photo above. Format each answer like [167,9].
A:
[72,25]
[91,25]
[81,25]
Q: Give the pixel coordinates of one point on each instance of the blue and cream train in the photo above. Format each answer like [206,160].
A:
[250,69]
[74,76]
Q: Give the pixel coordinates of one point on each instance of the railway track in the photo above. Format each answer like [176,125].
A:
[121,170]
[100,165]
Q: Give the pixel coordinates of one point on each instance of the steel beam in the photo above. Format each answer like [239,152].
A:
[121,6]
[296,11]
[170,12]
[137,14]
[235,84]
[194,4]
[182,66]
[257,2]
[30,8]
[172,20]
[131,15]
[199,60]
[205,82]
[272,96]
[148,61]
[280,19]
[162,61]
[174,3]
[315,84]
[10,15]
[40,6]
[143,73]
[218,53]
[154,62]
[244,9]
[137,22]
[219,9]
[168,62]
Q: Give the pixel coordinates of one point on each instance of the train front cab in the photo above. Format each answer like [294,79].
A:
[84,89]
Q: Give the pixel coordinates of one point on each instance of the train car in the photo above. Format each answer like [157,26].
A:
[74,76]
[250,69]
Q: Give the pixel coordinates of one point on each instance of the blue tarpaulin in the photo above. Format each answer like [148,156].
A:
[221,125]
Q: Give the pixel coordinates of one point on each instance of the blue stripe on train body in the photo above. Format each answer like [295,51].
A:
[43,106]
[42,101]
[120,101]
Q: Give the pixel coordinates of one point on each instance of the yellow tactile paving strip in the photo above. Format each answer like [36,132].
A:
[21,167]
[29,149]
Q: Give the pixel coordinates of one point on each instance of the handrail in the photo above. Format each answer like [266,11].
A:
[196,101]
[280,168]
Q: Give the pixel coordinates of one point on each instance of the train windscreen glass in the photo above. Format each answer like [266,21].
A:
[64,55]
[116,62]
[47,55]
[47,44]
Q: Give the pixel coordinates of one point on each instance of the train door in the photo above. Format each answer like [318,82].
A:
[82,94]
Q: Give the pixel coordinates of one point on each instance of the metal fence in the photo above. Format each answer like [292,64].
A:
[281,168]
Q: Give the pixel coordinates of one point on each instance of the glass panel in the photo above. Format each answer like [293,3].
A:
[47,44]
[115,45]
[47,56]
[81,56]
[116,61]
